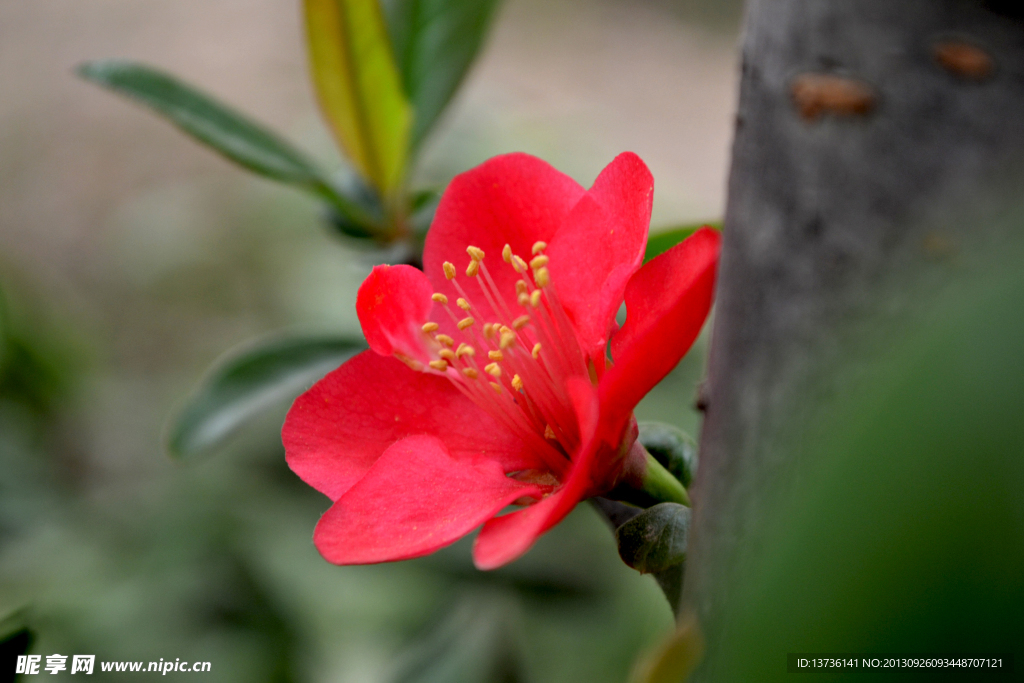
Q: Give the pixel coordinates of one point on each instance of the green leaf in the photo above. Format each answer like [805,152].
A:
[655,540]
[359,87]
[216,125]
[248,381]
[672,447]
[661,242]
[435,42]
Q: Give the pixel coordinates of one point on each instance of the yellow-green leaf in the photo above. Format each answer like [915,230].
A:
[359,87]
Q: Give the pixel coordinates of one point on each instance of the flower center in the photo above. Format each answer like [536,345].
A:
[516,368]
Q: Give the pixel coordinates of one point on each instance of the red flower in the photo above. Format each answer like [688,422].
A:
[488,384]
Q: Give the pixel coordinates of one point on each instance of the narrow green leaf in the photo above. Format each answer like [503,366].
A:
[661,242]
[435,42]
[247,381]
[359,87]
[221,128]
[655,539]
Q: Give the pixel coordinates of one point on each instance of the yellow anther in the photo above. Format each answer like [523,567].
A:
[521,322]
[517,382]
[493,369]
[542,277]
[549,433]
[449,270]
[470,373]
[539,247]
[445,339]
[535,298]
[524,299]
[518,264]
[473,268]
[539,261]
[488,330]
[496,356]
[507,339]
[506,253]
[448,355]
[463,304]
[466,323]
[503,329]
[464,350]
[475,253]
[496,387]
[536,350]
[441,365]
[430,327]
[522,287]
[440,298]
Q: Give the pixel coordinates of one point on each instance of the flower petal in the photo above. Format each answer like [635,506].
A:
[505,538]
[601,246]
[337,430]
[667,302]
[514,199]
[393,303]
[415,499]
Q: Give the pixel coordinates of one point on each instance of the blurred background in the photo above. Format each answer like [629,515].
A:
[131,258]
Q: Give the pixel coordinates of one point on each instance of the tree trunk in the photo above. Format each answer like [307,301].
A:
[868,130]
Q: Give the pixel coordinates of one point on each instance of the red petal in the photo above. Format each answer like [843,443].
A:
[505,538]
[601,246]
[415,499]
[336,431]
[393,303]
[514,199]
[667,302]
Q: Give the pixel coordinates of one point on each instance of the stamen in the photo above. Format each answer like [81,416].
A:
[466,323]
[464,350]
[539,261]
[439,298]
[524,299]
[449,270]
[542,277]
[441,365]
[507,339]
[492,369]
[496,356]
[506,253]
[463,304]
[470,373]
[517,382]
[536,350]
[473,268]
[522,287]
[521,322]
[539,247]
[549,433]
[430,327]
[535,298]
[518,264]
[448,355]
[475,253]
[445,339]
[489,331]
[496,387]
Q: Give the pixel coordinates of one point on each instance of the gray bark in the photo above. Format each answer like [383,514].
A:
[868,132]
